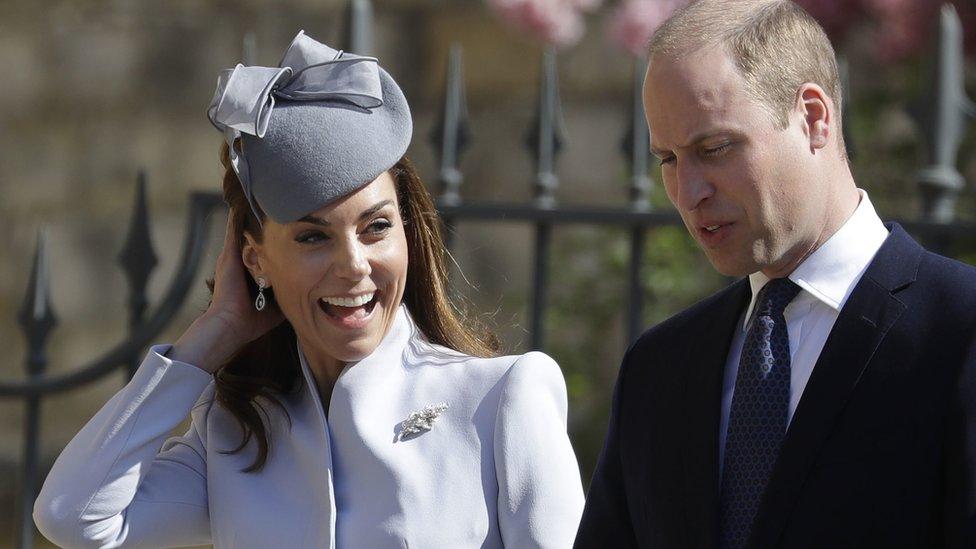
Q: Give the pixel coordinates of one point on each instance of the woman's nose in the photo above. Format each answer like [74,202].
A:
[352,262]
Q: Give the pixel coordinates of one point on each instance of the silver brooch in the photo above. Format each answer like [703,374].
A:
[421,420]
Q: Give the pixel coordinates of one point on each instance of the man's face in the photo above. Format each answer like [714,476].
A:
[740,182]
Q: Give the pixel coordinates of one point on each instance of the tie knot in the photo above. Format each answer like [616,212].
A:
[775,296]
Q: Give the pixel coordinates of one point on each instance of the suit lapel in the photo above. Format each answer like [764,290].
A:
[706,354]
[859,331]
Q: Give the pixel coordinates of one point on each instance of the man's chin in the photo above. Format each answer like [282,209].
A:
[731,268]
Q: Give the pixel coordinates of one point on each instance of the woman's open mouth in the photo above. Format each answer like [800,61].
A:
[350,312]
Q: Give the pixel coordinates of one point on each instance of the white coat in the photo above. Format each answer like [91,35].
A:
[495,469]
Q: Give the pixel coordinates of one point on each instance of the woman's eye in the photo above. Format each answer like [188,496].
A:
[379,226]
[310,237]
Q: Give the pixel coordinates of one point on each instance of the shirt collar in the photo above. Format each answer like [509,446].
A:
[830,273]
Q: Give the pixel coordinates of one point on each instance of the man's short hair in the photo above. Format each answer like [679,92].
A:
[775,44]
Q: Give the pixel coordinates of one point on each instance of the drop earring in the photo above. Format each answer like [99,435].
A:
[260,302]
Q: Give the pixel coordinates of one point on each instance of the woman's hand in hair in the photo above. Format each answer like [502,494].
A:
[231,321]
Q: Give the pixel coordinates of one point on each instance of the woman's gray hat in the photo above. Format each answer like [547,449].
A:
[317,127]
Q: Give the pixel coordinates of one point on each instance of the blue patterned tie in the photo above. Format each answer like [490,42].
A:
[757,420]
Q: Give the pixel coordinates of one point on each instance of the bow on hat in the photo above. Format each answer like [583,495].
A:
[309,71]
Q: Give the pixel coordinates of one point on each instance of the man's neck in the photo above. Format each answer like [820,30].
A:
[844,203]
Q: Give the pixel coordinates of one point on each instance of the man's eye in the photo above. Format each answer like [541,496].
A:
[715,151]
[669,159]
[310,237]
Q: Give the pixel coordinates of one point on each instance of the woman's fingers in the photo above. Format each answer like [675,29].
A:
[229,248]
[229,276]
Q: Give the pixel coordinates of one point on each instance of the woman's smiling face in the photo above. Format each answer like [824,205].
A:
[338,274]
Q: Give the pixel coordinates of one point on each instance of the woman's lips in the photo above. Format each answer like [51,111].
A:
[350,317]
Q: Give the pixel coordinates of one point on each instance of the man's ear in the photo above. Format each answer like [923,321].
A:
[818,111]
[252,256]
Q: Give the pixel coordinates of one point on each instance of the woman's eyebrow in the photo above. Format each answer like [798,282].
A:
[324,223]
[375,208]
[314,221]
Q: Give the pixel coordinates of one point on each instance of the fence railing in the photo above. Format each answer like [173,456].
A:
[939,184]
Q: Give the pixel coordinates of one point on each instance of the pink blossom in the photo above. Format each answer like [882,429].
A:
[836,16]
[558,22]
[899,27]
[634,22]
[902,26]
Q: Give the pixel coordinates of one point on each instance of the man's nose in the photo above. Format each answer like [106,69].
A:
[693,185]
[352,261]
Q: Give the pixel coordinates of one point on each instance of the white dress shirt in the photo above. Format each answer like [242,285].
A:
[495,469]
[826,279]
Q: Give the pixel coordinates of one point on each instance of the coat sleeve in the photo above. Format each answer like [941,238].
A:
[540,496]
[117,482]
[606,518]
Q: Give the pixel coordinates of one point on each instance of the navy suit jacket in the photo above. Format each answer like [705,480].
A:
[881,451]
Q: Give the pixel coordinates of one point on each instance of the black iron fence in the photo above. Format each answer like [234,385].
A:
[939,184]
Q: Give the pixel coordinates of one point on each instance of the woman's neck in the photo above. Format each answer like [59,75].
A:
[325,371]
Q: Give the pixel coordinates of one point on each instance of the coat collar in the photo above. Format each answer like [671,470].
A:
[870,312]
[390,350]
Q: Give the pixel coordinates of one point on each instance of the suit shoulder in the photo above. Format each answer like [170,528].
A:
[938,267]
[947,284]
[679,324]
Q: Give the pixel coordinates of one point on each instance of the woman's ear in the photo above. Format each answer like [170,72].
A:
[252,256]
[818,111]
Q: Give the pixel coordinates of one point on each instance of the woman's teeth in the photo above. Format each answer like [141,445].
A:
[357,301]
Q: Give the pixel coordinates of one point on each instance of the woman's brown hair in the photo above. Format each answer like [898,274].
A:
[269,366]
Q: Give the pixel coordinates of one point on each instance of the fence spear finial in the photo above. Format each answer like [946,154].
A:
[636,143]
[944,123]
[358,37]
[547,133]
[137,257]
[249,49]
[450,136]
[36,316]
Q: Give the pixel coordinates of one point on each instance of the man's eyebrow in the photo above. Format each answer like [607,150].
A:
[695,140]
[366,213]
[708,134]
[658,152]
